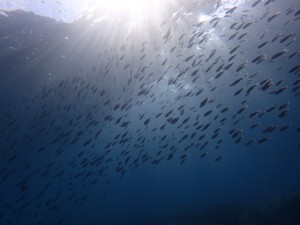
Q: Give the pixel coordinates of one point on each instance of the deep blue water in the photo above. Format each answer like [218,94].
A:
[102,123]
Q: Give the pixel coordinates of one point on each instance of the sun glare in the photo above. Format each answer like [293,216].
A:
[204,18]
[134,10]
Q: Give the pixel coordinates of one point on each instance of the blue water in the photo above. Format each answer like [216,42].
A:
[97,128]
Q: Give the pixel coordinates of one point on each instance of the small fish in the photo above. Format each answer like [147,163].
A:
[263,44]
[286,37]
[269,129]
[220,67]
[271,108]
[263,140]
[232,36]
[194,73]
[257,58]
[228,66]
[297,13]
[255,125]
[256,3]
[234,49]
[203,154]
[296,88]
[247,25]
[295,69]
[218,158]
[236,82]
[266,85]
[232,57]
[209,68]
[232,26]
[219,74]
[293,54]
[199,92]
[203,103]
[276,36]
[211,55]
[240,26]
[242,35]
[283,106]
[242,109]
[280,90]
[283,113]
[269,1]
[285,127]
[250,142]
[254,114]
[230,11]
[278,54]
[189,58]
[250,89]
[238,92]
[240,67]
[225,109]
[289,10]
[208,112]
[274,16]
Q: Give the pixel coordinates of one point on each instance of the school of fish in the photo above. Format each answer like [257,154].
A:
[184,90]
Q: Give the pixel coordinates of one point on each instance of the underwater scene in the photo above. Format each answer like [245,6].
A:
[150,112]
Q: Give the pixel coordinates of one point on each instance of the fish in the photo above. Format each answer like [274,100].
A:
[250,142]
[249,90]
[220,67]
[234,49]
[247,24]
[297,13]
[236,82]
[189,58]
[295,69]
[218,158]
[268,2]
[263,140]
[225,110]
[240,26]
[271,108]
[283,106]
[219,74]
[203,155]
[208,112]
[283,113]
[232,36]
[273,16]
[242,35]
[232,26]
[256,3]
[257,58]
[266,85]
[231,57]
[230,11]
[277,92]
[228,66]
[194,72]
[238,91]
[211,55]
[240,67]
[285,127]
[262,44]
[254,114]
[276,36]
[293,54]
[278,54]
[286,37]
[203,103]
